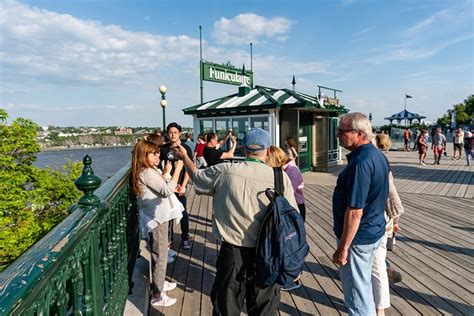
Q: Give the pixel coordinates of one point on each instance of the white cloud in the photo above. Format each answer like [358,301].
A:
[43,108]
[434,19]
[412,52]
[424,39]
[453,20]
[363,31]
[250,27]
[38,43]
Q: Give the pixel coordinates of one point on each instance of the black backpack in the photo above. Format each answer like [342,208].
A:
[281,243]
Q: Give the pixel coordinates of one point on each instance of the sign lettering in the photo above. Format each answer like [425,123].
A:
[331,101]
[225,74]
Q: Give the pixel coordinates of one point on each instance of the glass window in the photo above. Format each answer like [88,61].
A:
[259,122]
[239,127]
[333,134]
[222,125]
[205,126]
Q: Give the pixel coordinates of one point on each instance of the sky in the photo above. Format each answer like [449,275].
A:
[100,63]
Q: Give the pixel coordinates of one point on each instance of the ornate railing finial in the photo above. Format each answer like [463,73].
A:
[88,183]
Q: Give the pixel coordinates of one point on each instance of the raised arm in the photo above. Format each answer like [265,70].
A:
[182,154]
[229,154]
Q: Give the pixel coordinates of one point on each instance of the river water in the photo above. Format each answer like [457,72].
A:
[105,161]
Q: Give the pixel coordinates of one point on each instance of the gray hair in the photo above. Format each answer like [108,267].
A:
[256,154]
[360,123]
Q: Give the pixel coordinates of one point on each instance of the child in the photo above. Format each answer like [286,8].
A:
[158,205]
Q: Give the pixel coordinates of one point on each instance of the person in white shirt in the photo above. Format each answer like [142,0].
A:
[458,142]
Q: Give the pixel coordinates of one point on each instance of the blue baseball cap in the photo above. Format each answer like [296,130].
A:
[256,139]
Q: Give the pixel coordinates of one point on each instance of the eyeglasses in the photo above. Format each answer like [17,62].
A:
[341,130]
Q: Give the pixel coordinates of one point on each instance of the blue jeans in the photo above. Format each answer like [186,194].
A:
[357,281]
[468,156]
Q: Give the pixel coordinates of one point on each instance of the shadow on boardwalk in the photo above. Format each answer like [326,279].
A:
[435,274]
[431,174]
[434,250]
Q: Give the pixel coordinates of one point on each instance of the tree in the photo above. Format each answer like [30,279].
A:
[469,103]
[464,113]
[33,200]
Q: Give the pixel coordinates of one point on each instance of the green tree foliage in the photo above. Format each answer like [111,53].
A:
[33,200]
[464,113]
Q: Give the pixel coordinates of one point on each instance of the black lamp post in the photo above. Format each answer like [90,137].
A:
[163,103]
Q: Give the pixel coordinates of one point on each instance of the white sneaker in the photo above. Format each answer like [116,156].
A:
[169,286]
[170,259]
[164,300]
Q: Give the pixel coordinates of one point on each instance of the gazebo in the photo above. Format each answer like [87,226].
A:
[405,115]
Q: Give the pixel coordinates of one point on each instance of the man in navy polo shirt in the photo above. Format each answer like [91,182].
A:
[358,209]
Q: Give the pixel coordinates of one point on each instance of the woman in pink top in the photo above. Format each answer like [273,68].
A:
[278,158]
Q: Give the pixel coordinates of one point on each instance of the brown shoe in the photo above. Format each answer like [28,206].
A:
[394,277]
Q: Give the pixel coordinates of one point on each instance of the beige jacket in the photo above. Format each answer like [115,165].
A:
[239,202]
[394,207]
[158,203]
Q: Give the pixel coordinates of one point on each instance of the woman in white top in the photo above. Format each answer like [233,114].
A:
[381,272]
[158,205]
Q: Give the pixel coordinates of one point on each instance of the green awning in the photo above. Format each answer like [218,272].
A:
[262,98]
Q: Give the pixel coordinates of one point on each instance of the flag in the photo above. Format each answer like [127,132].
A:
[408,96]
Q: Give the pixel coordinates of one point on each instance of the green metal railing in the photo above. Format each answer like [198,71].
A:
[84,265]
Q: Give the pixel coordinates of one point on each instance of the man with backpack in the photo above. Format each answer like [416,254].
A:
[240,204]
[359,203]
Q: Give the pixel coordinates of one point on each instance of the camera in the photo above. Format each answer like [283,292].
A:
[171,156]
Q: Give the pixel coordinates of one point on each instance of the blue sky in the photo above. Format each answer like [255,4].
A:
[98,63]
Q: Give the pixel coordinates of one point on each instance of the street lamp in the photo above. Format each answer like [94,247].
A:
[163,103]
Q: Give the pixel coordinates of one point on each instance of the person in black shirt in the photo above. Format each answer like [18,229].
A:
[212,155]
[166,154]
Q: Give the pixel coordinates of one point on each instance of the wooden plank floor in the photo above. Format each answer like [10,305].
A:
[434,250]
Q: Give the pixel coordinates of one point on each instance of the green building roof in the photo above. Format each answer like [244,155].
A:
[260,99]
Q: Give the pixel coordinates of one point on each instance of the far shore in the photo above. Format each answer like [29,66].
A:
[77,147]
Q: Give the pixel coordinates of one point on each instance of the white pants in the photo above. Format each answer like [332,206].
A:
[380,287]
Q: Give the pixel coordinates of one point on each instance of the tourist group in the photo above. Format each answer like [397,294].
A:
[366,211]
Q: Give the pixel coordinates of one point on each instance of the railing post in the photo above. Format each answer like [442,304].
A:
[88,183]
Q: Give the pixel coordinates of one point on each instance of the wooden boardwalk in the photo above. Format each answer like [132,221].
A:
[434,250]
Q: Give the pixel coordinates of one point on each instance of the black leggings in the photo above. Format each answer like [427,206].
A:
[302,209]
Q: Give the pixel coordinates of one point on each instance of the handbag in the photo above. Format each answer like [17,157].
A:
[391,242]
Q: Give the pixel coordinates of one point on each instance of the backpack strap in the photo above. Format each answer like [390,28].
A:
[278,179]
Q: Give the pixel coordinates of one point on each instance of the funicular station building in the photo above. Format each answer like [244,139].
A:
[310,120]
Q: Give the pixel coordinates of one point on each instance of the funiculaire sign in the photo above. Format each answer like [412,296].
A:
[226,74]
